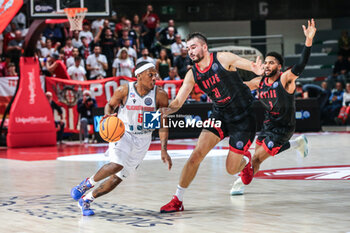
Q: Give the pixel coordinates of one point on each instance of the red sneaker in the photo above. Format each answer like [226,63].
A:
[173,206]
[247,172]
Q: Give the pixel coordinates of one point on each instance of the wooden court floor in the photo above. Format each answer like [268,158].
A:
[311,195]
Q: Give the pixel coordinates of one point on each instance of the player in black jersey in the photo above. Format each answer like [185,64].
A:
[216,75]
[276,93]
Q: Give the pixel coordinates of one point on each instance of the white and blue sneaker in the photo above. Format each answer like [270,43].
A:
[237,187]
[302,148]
[78,191]
[85,207]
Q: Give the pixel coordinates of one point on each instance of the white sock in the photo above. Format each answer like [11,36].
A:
[246,159]
[180,192]
[89,197]
[294,143]
[92,181]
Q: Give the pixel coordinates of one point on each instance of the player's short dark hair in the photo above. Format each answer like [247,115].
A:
[276,55]
[77,58]
[197,35]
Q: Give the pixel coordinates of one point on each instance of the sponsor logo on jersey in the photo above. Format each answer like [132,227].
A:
[214,67]
[270,144]
[275,85]
[134,100]
[148,101]
[151,120]
[132,95]
[239,145]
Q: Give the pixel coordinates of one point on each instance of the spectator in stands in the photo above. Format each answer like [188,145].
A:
[133,35]
[53,32]
[125,36]
[97,64]
[123,66]
[85,106]
[177,46]
[163,64]
[48,50]
[140,29]
[164,31]
[119,26]
[85,49]
[145,57]
[56,67]
[341,67]
[168,39]
[298,90]
[151,20]
[86,33]
[108,46]
[334,104]
[71,61]
[14,49]
[183,63]
[172,74]
[131,51]
[77,72]
[68,49]
[59,124]
[344,44]
[345,109]
[9,36]
[315,91]
[76,41]
[11,69]
[95,26]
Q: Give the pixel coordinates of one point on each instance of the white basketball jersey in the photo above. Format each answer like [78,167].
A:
[132,112]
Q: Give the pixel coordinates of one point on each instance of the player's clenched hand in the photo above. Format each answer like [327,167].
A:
[257,66]
[166,158]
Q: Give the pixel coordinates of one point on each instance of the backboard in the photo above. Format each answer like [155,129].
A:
[54,8]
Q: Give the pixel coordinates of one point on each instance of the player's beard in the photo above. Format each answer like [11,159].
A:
[273,72]
[200,57]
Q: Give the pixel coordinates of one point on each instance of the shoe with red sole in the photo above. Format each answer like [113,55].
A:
[173,206]
[247,173]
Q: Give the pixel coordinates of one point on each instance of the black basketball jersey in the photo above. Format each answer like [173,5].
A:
[279,104]
[225,88]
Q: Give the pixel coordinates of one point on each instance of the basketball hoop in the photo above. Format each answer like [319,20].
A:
[75,17]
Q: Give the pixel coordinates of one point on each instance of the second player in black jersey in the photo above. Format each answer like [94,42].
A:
[275,90]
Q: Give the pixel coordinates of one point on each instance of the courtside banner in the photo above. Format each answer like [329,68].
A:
[66,94]
[8,10]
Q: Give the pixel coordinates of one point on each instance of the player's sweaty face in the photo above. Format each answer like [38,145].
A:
[149,78]
[270,66]
[195,50]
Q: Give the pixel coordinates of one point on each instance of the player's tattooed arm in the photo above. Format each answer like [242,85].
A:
[118,96]
[162,102]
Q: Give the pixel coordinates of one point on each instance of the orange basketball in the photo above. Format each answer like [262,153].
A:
[111,129]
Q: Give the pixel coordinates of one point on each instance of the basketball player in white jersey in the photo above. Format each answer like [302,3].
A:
[126,155]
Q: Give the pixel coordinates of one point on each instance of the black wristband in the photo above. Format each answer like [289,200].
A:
[298,68]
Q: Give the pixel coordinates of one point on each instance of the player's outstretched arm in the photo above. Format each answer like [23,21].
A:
[231,61]
[162,102]
[253,84]
[119,94]
[291,75]
[182,95]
